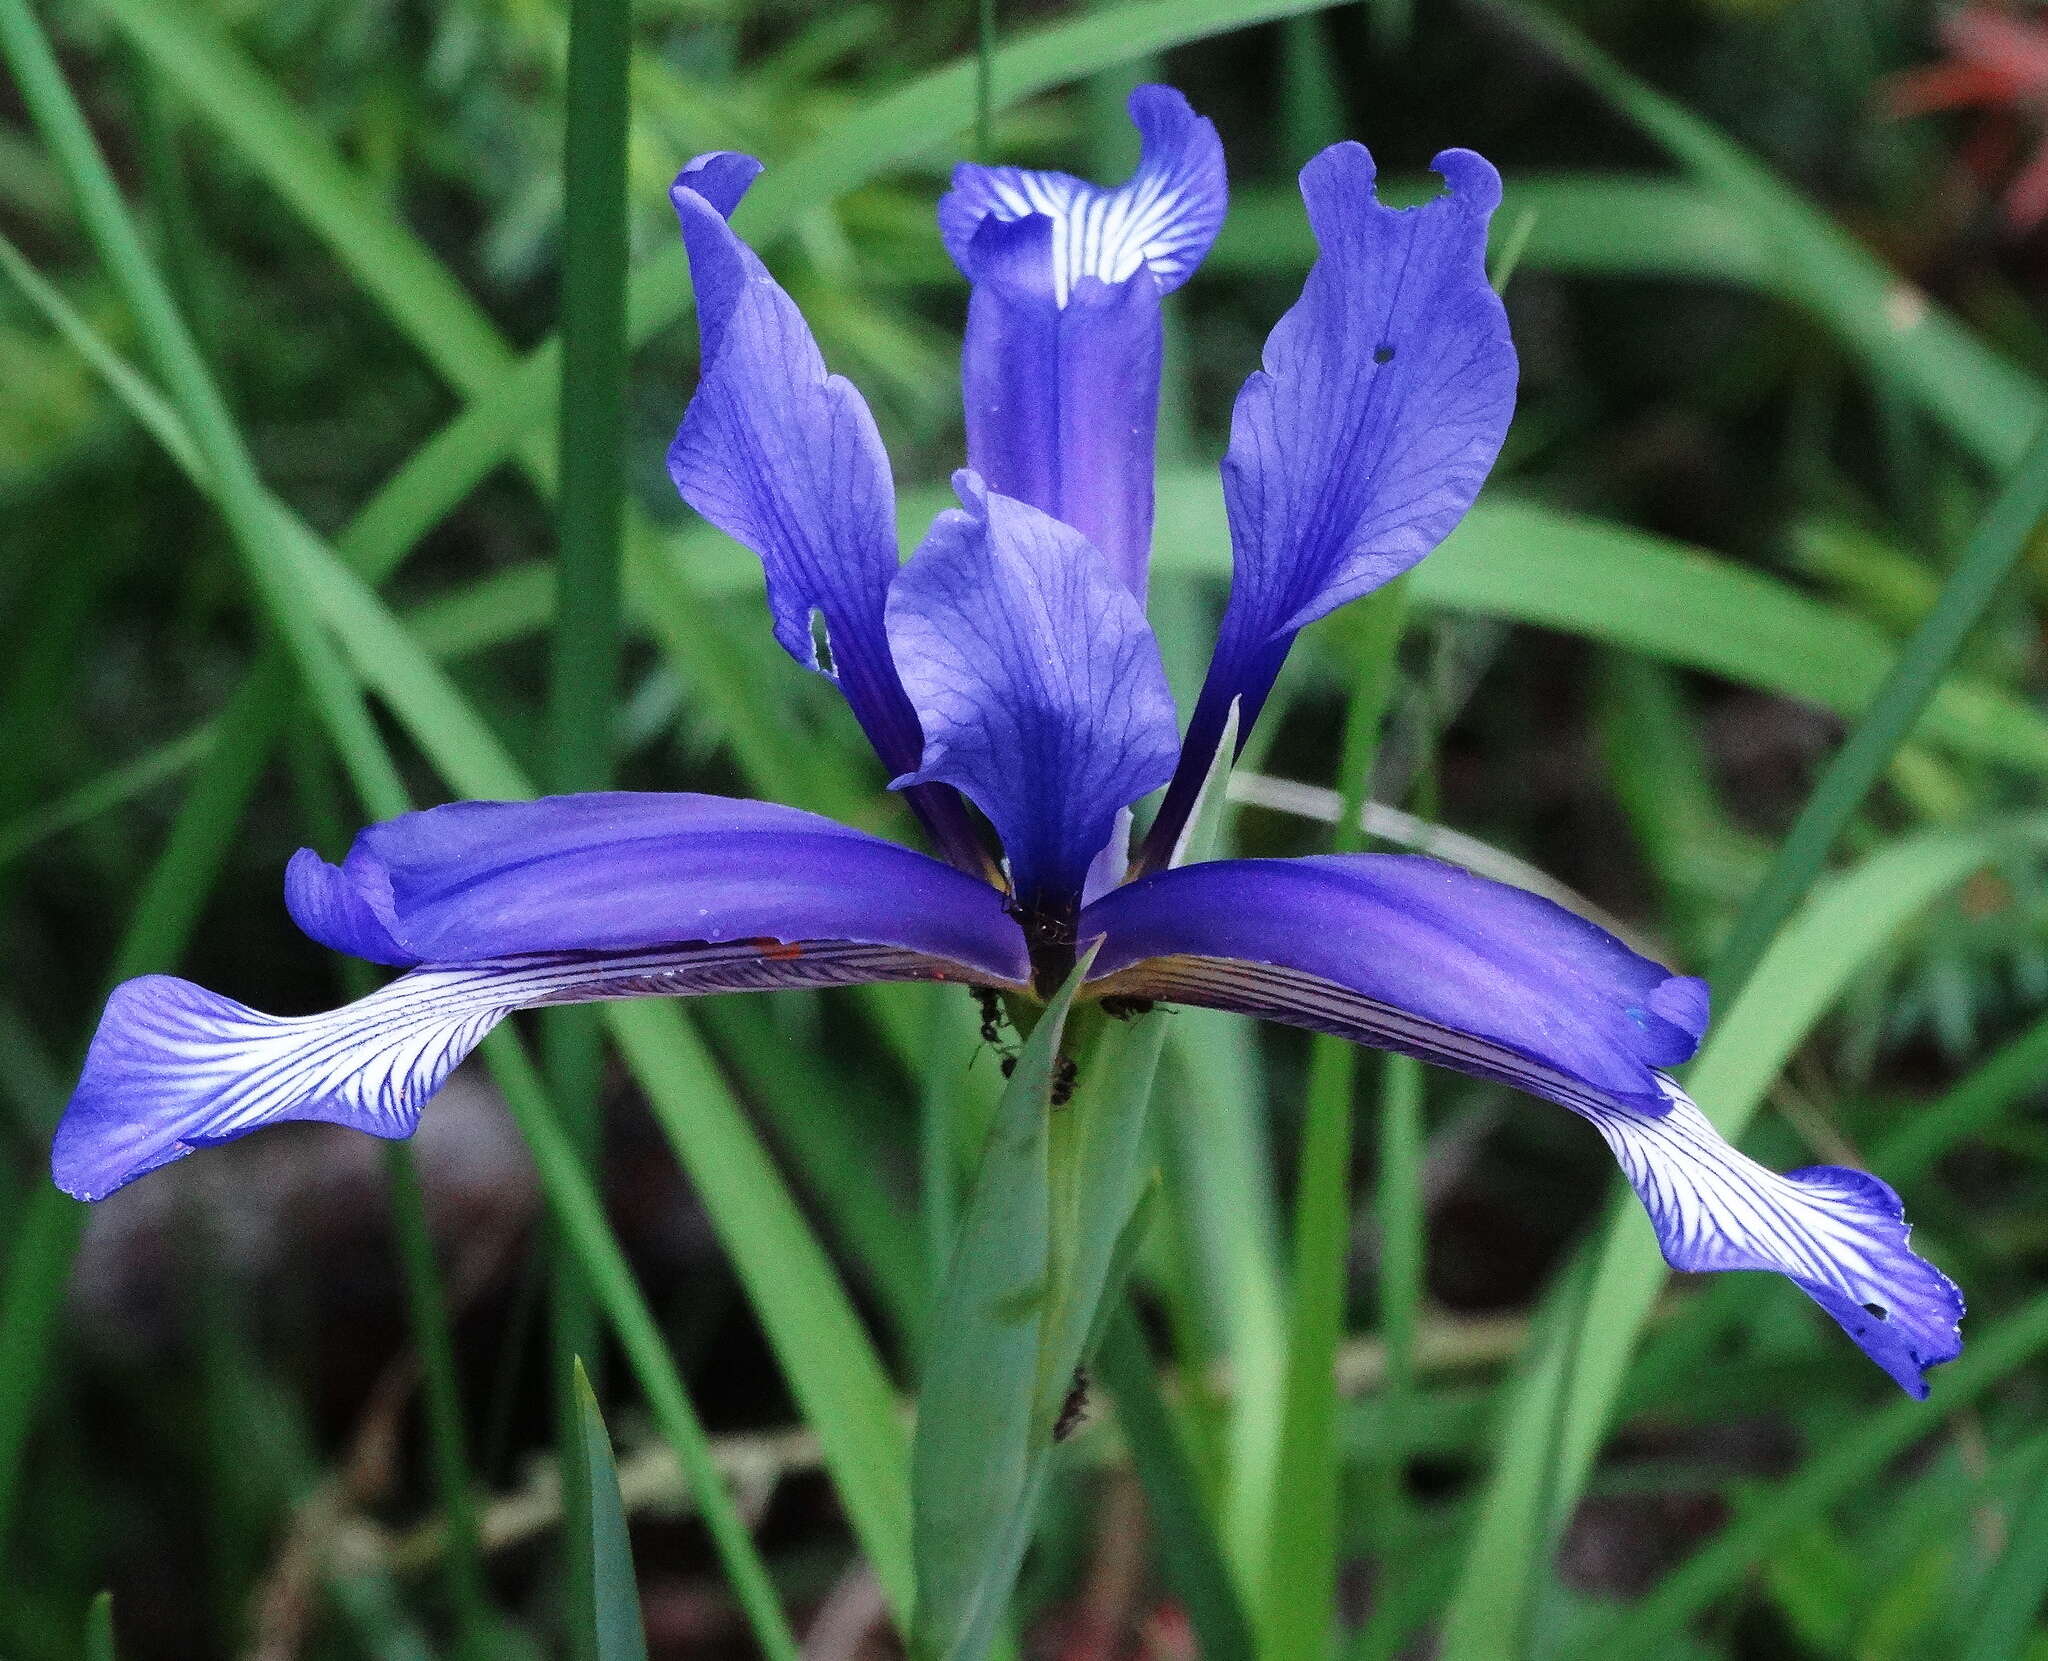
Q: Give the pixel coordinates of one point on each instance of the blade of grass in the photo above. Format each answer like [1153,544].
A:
[617,1633]
[2008,1604]
[1650,1626]
[826,1354]
[2010,526]
[1191,1559]
[1298,1599]
[583,662]
[99,1629]
[1611,583]
[46,1233]
[974,1470]
[1970,1106]
[248,509]
[212,427]
[1219,1181]
[574,1203]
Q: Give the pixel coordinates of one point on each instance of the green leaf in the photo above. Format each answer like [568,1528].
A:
[2002,535]
[620,1634]
[1531,564]
[824,1350]
[975,1461]
[577,1209]
[1048,1234]
[2008,1604]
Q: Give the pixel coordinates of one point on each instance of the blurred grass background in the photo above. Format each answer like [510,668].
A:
[1781,344]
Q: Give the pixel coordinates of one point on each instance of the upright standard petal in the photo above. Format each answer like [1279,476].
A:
[1382,403]
[506,905]
[1405,954]
[785,458]
[1040,689]
[1060,369]
[1837,1234]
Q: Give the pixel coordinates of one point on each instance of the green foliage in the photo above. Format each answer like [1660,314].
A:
[1745,643]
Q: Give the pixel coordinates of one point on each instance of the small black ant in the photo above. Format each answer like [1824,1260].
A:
[1074,1410]
[1063,1077]
[991,1015]
[1126,1009]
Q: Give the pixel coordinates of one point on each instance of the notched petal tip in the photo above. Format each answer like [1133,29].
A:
[1913,1322]
[1162,219]
[1472,180]
[720,177]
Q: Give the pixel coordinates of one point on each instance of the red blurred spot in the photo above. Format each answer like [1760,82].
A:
[1998,63]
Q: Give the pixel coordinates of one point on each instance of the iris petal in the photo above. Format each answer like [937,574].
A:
[1837,1234]
[1407,953]
[1404,954]
[1060,368]
[1382,403]
[504,905]
[175,1068]
[784,457]
[1162,219]
[619,870]
[1038,682]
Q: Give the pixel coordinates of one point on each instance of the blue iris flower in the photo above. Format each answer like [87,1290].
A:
[1007,671]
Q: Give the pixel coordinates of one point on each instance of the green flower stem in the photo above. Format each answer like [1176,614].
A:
[583,684]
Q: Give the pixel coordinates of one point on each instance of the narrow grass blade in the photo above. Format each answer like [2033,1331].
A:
[1826,1480]
[2008,1605]
[1608,582]
[242,498]
[1968,1107]
[447,1439]
[583,661]
[2005,532]
[1991,408]
[1191,1559]
[1298,1598]
[617,1632]
[99,1629]
[824,1351]
[574,1203]
[230,90]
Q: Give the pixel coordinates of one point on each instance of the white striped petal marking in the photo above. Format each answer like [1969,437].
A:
[174,1067]
[1839,1235]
